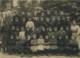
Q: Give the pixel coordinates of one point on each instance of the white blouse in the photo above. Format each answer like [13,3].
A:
[30,24]
[22,35]
[75,28]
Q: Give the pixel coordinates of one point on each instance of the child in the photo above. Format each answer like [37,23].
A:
[23,22]
[73,47]
[47,46]
[28,45]
[61,35]
[50,32]
[11,44]
[34,44]
[47,22]
[40,46]
[53,47]
[68,32]
[22,34]
[12,30]
[30,24]
[61,39]
[22,38]
[66,41]
[53,22]
[63,22]
[58,22]
[36,21]
[16,22]
[68,21]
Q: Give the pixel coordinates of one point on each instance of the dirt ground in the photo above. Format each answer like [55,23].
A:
[18,56]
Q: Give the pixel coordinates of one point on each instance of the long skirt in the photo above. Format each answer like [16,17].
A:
[78,41]
[53,47]
[34,48]
[40,47]
[47,47]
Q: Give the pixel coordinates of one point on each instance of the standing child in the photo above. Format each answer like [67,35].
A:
[11,44]
[22,38]
[61,39]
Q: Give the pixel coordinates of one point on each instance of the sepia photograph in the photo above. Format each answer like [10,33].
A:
[39,28]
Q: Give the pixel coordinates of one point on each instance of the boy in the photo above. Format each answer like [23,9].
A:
[36,21]
[47,22]
[61,39]
[53,41]
[66,41]
[12,30]
[68,32]
[23,22]
[41,21]
[53,22]
[63,22]
[17,22]
[58,22]
[47,46]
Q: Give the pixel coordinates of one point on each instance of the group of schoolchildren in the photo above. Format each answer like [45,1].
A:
[42,33]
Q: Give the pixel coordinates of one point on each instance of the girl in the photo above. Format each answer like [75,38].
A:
[30,24]
[22,38]
[22,34]
[40,46]
[34,44]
